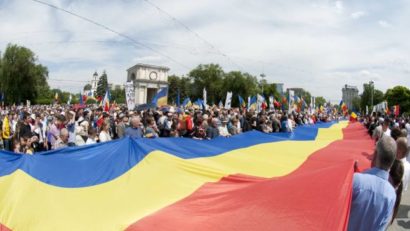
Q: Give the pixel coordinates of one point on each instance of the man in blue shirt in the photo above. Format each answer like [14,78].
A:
[373,196]
[134,131]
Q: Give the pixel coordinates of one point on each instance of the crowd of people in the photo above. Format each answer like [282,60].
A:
[377,191]
[40,128]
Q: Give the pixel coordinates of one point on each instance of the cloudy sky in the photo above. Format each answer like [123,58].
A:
[314,44]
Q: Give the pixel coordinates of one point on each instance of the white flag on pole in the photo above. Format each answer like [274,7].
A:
[228,100]
[291,100]
[204,96]
[260,99]
[271,106]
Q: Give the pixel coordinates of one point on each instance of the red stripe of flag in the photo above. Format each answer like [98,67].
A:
[316,196]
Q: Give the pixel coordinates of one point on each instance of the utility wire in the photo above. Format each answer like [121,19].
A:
[183,25]
[66,80]
[113,31]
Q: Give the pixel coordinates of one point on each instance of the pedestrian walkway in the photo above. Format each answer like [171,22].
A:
[402,221]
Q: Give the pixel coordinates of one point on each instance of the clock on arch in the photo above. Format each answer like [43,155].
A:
[153,75]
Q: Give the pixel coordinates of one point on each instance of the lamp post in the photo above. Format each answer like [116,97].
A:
[371,83]
[263,77]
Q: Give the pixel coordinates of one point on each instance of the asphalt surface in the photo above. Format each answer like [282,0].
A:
[402,221]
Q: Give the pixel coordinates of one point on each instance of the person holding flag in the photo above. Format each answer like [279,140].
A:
[284,102]
[343,107]
[242,103]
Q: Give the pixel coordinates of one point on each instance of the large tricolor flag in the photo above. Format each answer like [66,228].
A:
[106,101]
[161,98]
[343,106]
[242,103]
[253,103]
[255,181]
[396,110]
[187,102]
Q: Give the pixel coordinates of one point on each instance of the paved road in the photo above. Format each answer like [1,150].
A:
[402,221]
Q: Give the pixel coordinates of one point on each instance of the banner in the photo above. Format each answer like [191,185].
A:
[204,97]
[260,101]
[271,105]
[291,100]
[130,95]
[228,100]
[381,107]
[69,99]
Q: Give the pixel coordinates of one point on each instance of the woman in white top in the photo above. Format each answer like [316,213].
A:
[92,136]
[105,132]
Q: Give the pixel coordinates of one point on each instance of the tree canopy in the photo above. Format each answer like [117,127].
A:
[87,87]
[399,95]
[217,83]
[118,95]
[320,101]
[21,77]
[102,84]
[366,96]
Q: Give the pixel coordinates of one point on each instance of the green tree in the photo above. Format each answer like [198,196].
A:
[87,87]
[173,88]
[239,83]
[90,101]
[399,95]
[185,85]
[21,77]
[181,84]
[270,89]
[102,84]
[307,97]
[356,103]
[118,95]
[209,76]
[366,96]
[320,101]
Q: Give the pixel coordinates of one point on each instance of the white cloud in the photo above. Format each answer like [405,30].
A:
[358,14]
[339,6]
[309,43]
[384,24]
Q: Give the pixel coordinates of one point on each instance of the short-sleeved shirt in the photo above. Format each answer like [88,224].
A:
[135,133]
[373,200]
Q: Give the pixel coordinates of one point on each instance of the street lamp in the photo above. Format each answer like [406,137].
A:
[263,77]
[371,83]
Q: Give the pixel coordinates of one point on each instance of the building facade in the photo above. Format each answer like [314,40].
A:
[279,88]
[298,91]
[348,94]
[147,81]
[94,84]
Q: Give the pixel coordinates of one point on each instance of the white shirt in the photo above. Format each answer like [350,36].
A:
[104,136]
[90,141]
[79,141]
[406,175]
[290,124]
[387,132]
[223,131]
